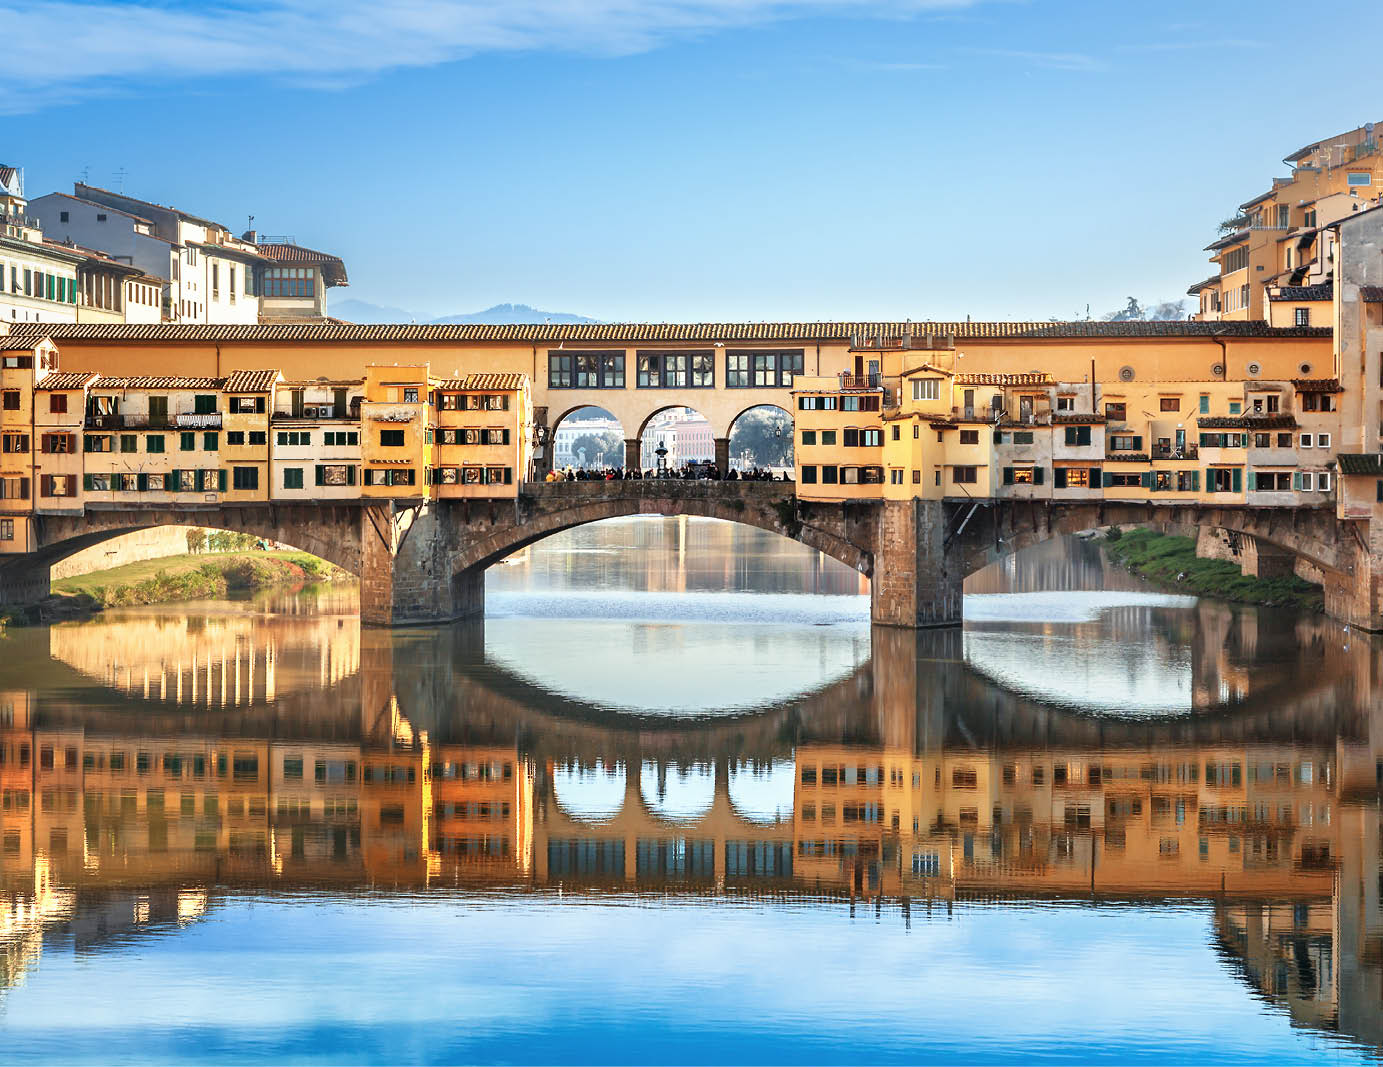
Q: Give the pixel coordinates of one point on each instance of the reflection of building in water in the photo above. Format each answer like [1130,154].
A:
[213,660]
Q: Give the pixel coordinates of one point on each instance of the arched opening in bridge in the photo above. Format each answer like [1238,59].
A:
[676,439]
[589,793]
[677,793]
[761,439]
[587,438]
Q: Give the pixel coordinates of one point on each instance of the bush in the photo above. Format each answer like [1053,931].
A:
[1113,533]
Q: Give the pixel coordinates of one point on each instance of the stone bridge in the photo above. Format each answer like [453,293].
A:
[424,561]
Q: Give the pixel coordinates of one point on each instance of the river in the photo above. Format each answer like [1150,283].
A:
[675,800]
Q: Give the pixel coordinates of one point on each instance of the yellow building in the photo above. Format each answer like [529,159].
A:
[483,435]
[398,420]
[249,398]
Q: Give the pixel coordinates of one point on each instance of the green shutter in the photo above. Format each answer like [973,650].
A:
[1070,435]
[1237,480]
[1108,479]
[141,482]
[350,475]
[506,437]
[1058,477]
[1083,436]
[508,473]
[1296,481]
[1038,474]
[86,482]
[221,480]
[321,475]
[1195,481]
[1008,475]
[1137,443]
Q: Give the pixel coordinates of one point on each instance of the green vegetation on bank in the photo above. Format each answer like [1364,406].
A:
[1171,562]
[197,577]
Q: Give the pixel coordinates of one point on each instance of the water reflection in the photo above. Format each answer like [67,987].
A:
[423,824]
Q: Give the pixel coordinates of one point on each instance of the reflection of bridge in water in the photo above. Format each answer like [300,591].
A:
[913,779]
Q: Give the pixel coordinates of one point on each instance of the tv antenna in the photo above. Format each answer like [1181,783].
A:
[120,180]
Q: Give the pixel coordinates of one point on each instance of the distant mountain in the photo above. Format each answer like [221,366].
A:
[501,314]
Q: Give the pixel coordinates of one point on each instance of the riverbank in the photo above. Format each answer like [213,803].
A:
[1171,563]
[195,576]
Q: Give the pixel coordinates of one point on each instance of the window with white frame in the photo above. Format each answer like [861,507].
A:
[926,388]
[1307,440]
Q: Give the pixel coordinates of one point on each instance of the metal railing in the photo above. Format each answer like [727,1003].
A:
[1171,452]
[862,381]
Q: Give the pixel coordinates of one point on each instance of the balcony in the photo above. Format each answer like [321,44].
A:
[205,420]
[862,381]
[1171,452]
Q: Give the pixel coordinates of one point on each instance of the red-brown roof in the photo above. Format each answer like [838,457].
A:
[333,270]
[157,382]
[477,382]
[1317,385]
[252,381]
[77,379]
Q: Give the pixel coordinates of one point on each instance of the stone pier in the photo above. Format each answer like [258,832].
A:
[914,584]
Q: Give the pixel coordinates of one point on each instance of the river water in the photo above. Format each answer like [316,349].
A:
[673,801]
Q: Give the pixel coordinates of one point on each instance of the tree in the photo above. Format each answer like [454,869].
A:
[196,540]
[766,434]
[604,449]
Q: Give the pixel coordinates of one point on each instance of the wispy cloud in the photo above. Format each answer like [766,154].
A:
[1073,61]
[58,50]
[1191,44]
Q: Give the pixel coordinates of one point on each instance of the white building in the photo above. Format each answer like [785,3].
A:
[572,429]
[315,428]
[295,280]
[38,279]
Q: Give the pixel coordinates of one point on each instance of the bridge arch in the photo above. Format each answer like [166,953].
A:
[770,506]
[563,449]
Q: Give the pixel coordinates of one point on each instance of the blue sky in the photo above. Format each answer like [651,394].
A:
[700,159]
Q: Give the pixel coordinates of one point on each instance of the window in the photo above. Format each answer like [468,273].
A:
[1302,316]
[1306,480]
[897,435]
[1358,177]
[1272,481]
[869,438]
[1123,442]
[7,525]
[59,443]
[1066,403]
[11,399]
[391,438]
[209,442]
[235,437]
[809,478]
[303,437]
[244,478]
[1173,403]
[1116,412]
[153,443]
[584,370]
[1224,480]
[830,475]
[57,403]
[809,437]
[1307,440]
[98,442]
[258,437]
[247,405]
[204,404]
[129,442]
[58,485]
[817,403]
[676,370]
[290,282]
[964,475]
[895,476]
[1284,440]
[969,437]
[332,438]
[1078,435]
[1020,437]
[1023,475]
[292,477]
[1235,407]
[1322,440]
[1075,477]
[187,441]
[14,442]
[926,388]
[398,476]
[744,370]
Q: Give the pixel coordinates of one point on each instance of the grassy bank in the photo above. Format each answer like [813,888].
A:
[197,577]
[1171,563]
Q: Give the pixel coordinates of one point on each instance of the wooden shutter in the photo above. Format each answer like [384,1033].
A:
[87,482]
[1037,475]
[321,475]
[221,480]
[1058,477]
[1237,480]
[1008,475]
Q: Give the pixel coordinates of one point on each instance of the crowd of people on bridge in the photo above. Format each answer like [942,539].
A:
[687,472]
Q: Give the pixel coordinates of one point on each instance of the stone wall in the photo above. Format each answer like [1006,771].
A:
[153,543]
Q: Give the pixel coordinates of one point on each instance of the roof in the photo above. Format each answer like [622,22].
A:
[77,379]
[1371,294]
[1247,422]
[1221,422]
[157,382]
[1323,291]
[1075,418]
[502,382]
[1369,463]
[103,207]
[704,332]
[9,177]
[1317,385]
[252,381]
[1214,279]
[1030,378]
[1230,239]
[928,368]
[147,203]
[1306,151]
[333,270]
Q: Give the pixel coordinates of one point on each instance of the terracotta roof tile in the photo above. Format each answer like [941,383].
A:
[1369,463]
[252,381]
[1323,291]
[1371,294]
[157,382]
[77,379]
[503,382]
[1032,378]
[1317,385]
[333,269]
[578,333]
[1075,418]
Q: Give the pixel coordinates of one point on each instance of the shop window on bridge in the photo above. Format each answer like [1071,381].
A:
[761,370]
[1224,480]
[244,478]
[1272,481]
[335,474]
[861,475]
[402,476]
[247,405]
[855,402]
